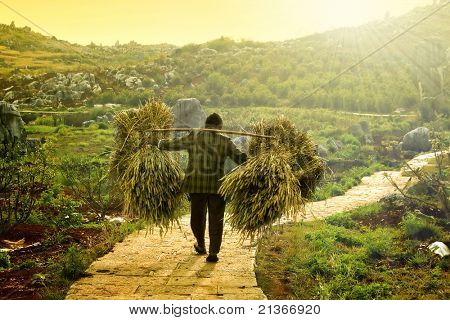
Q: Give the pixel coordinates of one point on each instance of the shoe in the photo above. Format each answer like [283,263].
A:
[199,250]
[212,258]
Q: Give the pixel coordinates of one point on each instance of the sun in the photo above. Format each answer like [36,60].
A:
[339,13]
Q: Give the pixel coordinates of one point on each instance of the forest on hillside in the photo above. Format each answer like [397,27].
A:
[225,72]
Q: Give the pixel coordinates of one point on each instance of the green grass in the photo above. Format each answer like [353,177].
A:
[419,228]
[5,262]
[321,123]
[76,259]
[27,264]
[40,129]
[73,263]
[72,140]
[346,180]
[341,258]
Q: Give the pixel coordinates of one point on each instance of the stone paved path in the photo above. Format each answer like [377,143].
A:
[150,267]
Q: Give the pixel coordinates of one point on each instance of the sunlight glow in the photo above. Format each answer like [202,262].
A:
[349,12]
[181,21]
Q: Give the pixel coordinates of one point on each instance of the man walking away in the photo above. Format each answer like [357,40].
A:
[207,154]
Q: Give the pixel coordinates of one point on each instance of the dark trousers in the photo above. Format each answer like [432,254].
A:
[216,209]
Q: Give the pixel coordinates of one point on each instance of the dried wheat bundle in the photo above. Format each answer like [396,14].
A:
[152,187]
[276,181]
[260,191]
[149,178]
[307,166]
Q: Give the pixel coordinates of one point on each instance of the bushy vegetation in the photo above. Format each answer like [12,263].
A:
[73,263]
[419,228]
[352,255]
[24,176]
[76,259]
[4,260]
[89,180]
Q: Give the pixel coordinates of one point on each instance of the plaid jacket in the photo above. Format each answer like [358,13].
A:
[207,154]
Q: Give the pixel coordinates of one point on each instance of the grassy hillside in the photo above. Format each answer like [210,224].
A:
[224,72]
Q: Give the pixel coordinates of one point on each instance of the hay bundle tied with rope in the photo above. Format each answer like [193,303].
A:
[278,179]
[150,179]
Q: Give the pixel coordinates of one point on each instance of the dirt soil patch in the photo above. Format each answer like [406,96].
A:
[385,218]
[391,217]
[42,246]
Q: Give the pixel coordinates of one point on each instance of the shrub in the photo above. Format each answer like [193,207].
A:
[348,138]
[319,266]
[341,220]
[67,217]
[55,239]
[27,264]
[103,126]
[4,260]
[24,177]
[418,259]
[337,288]
[444,264]
[39,280]
[378,243]
[326,240]
[349,182]
[40,129]
[323,240]
[124,97]
[63,130]
[90,183]
[92,127]
[348,239]
[45,121]
[420,229]
[73,263]
[372,291]
[344,288]
[364,212]
[351,266]
[336,190]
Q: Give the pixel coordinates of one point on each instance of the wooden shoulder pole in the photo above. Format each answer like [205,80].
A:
[214,130]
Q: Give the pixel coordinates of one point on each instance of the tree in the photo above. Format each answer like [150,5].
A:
[24,177]
[221,44]
[216,84]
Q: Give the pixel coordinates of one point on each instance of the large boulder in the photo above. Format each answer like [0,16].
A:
[120,77]
[89,77]
[11,124]
[82,86]
[189,113]
[417,140]
[77,77]
[97,89]
[88,123]
[133,82]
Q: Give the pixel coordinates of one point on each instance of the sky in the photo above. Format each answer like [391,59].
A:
[181,22]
